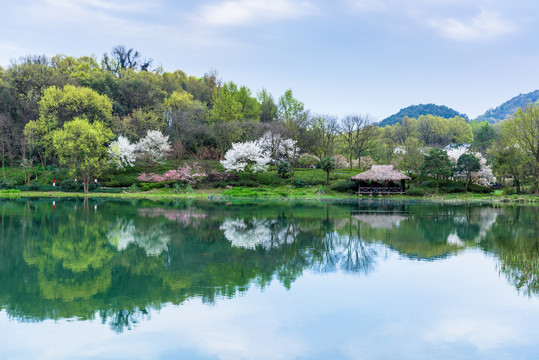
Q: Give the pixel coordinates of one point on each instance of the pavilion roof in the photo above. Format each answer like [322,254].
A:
[380,173]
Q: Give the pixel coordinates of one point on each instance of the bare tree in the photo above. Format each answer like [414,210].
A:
[360,134]
[122,59]
[325,129]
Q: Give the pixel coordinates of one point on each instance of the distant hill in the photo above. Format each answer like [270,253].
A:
[423,109]
[508,108]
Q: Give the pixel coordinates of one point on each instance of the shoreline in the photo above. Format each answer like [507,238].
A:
[218,196]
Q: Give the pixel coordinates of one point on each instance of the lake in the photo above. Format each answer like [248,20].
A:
[114,279]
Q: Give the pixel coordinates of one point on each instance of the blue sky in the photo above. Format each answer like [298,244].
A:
[339,57]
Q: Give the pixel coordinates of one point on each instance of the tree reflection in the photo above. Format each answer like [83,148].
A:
[121,260]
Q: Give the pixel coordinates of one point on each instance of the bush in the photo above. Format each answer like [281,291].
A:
[268,178]
[480,189]
[145,187]
[344,187]
[299,183]
[123,180]
[311,177]
[452,187]
[416,192]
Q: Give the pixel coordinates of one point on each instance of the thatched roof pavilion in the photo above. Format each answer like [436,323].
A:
[384,174]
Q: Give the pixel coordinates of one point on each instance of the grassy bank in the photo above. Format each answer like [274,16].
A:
[277,193]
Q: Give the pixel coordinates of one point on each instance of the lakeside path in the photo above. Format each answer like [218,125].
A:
[217,196]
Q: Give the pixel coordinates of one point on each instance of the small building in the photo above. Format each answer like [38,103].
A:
[381,180]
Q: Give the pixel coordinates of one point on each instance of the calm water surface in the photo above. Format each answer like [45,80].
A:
[103,279]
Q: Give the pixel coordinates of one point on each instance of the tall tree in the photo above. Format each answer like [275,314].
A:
[324,129]
[82,148]
[364,135]
[122,58]
[437,165]
[268,108]
[523,127]
[294,117]
[467,164]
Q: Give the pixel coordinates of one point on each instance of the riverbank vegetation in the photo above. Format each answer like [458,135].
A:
[122,125]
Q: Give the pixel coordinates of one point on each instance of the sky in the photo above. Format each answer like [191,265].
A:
[339,57]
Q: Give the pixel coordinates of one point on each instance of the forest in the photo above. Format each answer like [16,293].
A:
[127,123]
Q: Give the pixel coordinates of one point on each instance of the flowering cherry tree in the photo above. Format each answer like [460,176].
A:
[154,146]
[122,153]
[247,156]
[186,174]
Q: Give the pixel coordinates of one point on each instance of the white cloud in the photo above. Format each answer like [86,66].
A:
[246,12]
[486,25]
[367,5]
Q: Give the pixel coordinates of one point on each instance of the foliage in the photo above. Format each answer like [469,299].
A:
[307,160]
[467,164]
[417,191]
[348,187]
[437,165]
[523,130]
[283,168]
[81,147]
[328,165]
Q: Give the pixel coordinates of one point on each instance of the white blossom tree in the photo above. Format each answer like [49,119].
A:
[154,146]
[122,153]
[247,156]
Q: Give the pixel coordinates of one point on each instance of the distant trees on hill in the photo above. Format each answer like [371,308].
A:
[508,108]
[415,111]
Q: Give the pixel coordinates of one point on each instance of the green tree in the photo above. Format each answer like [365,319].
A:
[484,138]
[292,114]
[224,105]
[250,108]
[82,147]
[508,160]
[283,168]
[437,165]
[523,128]
[413,158]
[328,165]
[58,106]
[268,108]
[467,164]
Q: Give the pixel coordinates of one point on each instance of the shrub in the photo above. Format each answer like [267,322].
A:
[308,160]
[299,183]
[344,187]
[311,177]
[480,189]
[416,192]
[268,178]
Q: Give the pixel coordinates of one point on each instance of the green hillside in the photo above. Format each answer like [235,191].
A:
[508,108]
[414,111]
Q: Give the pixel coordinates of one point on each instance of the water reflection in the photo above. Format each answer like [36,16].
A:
[116,261]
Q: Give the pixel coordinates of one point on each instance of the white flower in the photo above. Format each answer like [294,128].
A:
[122,153]
[155,145]
[246,155]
